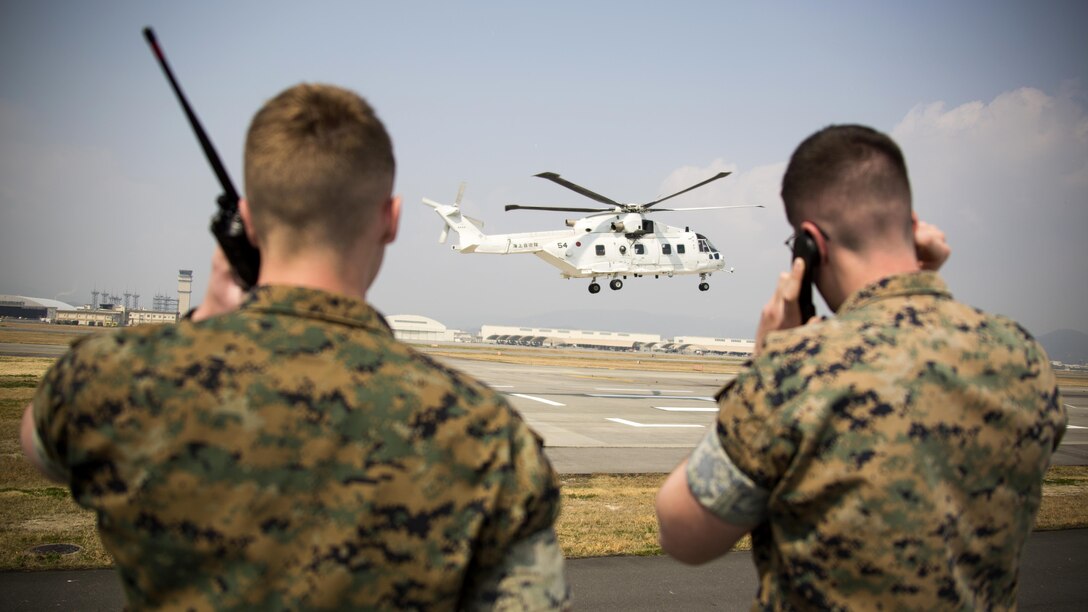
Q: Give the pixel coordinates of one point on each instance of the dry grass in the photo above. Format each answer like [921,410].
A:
[1065,498]
[653,362]
[24,366]
[38,333]
[611,514]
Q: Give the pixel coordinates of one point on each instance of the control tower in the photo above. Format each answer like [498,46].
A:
[185,290]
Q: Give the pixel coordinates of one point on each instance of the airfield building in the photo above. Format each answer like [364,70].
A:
[106,315]
[713,346]
[417,328]
[38,309]
[540,336]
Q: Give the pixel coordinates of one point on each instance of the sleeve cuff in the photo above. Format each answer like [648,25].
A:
[53,470]
[722,488]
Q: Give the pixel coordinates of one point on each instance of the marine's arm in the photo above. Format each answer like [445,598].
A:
[32,447]
[688,531]
[520,564]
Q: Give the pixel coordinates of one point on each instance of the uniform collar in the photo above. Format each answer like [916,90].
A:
[315,304]
[899,285]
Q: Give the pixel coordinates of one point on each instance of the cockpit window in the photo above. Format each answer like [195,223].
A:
[704,244]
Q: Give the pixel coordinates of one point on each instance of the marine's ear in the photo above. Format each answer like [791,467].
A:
[390,215]
[818,237]
[247,222]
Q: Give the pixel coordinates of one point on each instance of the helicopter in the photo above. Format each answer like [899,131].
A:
[609,243]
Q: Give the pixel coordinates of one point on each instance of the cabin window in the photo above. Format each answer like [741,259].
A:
[666,249]
[600,249]
[640,250]
[680,249]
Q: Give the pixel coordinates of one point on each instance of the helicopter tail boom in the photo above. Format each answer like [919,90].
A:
[468,231]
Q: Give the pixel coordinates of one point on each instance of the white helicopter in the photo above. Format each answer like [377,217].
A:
[611,243]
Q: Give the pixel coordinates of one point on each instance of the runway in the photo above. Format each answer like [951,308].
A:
[629,421]
[597,420]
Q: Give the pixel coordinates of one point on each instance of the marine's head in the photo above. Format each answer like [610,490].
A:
[319,166]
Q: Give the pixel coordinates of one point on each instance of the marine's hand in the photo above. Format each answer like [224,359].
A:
[782,311]
[929,243]
[224,293]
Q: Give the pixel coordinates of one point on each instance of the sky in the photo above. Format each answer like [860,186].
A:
[103,186]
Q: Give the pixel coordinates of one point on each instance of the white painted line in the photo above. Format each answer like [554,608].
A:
[644,390]
[501,386]
[634,424]
[685,409]
[1075,427]
[659,397]
[537,399]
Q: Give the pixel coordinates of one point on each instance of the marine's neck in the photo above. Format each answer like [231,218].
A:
[349,274]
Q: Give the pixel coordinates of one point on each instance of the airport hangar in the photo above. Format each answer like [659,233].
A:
[417,328]
[22,307]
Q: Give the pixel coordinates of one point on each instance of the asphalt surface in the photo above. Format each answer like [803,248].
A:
[1052,578]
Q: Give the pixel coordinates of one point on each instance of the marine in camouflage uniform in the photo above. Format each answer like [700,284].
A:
[293,455]
[283,451]
[891,456]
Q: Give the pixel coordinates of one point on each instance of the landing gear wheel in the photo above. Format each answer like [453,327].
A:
[704,286]
[594,288]
[616,284]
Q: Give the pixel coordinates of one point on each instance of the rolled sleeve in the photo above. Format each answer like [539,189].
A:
[721,487]
[530,577]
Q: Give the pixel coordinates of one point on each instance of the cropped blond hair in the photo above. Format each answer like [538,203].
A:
[318,163]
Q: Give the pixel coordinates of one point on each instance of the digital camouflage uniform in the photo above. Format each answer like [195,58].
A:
[293,455]
[891,457]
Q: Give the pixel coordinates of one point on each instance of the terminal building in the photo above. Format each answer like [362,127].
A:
[542,336]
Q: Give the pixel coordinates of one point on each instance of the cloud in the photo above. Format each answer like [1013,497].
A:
[1008,181]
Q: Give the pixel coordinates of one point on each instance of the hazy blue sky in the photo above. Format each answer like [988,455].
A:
[102,183]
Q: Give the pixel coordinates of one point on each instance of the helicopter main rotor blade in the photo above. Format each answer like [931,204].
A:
[707,208]
[555,178]
[562,208]
[695,186]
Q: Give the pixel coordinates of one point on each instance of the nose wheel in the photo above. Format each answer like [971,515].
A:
[704,286]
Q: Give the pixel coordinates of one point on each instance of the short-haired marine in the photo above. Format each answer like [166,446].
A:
[288,453]
[891,456]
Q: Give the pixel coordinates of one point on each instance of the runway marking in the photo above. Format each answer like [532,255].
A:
[1075,427]
[538,399]
[660,397]
[685,409]
[634,424]
[501,386]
